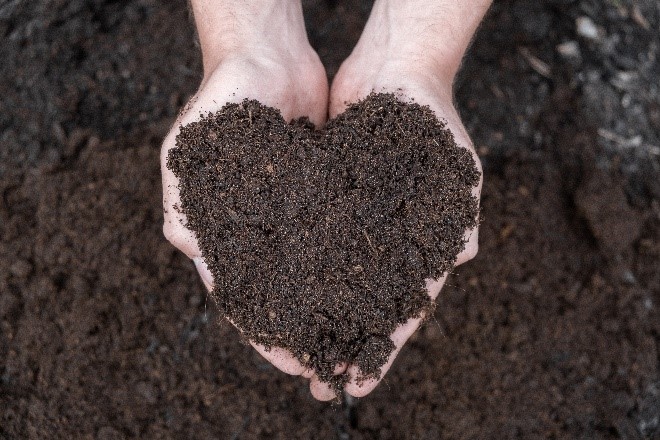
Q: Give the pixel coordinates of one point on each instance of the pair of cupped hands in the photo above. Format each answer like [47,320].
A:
[289,76]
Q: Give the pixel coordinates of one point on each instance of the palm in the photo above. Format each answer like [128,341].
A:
[354,81]
[295,88]
[300,89]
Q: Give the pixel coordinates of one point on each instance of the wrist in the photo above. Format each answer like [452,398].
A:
[436,33]
[233,26]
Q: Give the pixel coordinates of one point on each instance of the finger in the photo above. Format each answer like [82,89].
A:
[281,359]
[340,368]
[360,388]
[321,390]
[400,336]
[204,272]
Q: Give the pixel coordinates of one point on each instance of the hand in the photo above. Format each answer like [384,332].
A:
[259,52]
[389,58]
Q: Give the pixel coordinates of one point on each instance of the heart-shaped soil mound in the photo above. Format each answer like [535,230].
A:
[320,241]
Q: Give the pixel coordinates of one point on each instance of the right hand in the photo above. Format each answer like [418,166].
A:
[284,73]
[419,66]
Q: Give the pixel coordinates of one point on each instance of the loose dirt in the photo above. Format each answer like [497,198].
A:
[320,242]
[105,332]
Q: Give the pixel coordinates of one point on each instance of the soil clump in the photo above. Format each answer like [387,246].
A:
[320,241]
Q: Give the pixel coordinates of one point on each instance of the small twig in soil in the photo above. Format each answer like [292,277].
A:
[371,245]
[540,67]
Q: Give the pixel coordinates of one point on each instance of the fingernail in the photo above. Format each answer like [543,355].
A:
[203,271]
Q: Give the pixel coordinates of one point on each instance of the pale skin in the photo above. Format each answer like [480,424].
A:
[259,50]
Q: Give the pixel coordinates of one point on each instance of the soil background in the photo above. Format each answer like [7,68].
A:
[551,332]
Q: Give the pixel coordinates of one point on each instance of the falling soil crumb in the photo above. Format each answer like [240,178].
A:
[320,241]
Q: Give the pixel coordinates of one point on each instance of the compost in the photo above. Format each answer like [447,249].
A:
[320,242]
[550,332]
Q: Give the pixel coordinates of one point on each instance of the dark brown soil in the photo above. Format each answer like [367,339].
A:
[550,332]
[320,242]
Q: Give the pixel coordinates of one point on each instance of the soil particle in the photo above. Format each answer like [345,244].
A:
[320,241]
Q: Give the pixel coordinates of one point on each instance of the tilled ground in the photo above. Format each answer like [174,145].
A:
[552,331]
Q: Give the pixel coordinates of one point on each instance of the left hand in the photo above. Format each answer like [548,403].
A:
[372,67]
